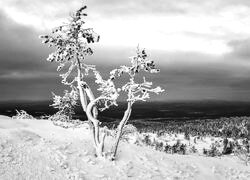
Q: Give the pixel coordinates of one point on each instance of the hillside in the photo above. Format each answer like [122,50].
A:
[37,149]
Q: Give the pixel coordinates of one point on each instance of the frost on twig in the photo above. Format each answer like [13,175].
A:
[108,91]
[140,91]
[137,91]
[66,103]
[71,41]
[22,115]
[138,63]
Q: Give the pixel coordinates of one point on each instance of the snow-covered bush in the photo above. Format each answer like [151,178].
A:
[22,115]
[179,148]
[146,140]
[64,121]
[129,132]
[227,147]
[212,151]
[72,42]
[129,129]
[193,150]
[243,151]
[244,155]
[59,117]
[65,105]
[162,144]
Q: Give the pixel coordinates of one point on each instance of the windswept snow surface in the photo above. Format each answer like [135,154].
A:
[37,149]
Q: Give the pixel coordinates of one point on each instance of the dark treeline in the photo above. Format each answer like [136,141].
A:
[233,127]
[152,111]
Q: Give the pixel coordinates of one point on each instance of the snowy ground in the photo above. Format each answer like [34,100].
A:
[36,149]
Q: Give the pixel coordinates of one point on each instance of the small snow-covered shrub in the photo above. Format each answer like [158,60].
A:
[243,155]
[146,140]
[128,131]
[65,105]
[167,149]
[243,151]
[159,146]
[22,115]
[62,120]
[193,150]
[187,135]
[59,117]
[179,148]
[213,151]
[228,147]
[65,121]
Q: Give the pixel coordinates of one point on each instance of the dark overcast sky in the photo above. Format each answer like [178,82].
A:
[202,47]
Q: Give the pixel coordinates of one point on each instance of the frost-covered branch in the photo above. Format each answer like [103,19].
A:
[135,91]
[140,62]
[140,91]
[71,41]
[108,90]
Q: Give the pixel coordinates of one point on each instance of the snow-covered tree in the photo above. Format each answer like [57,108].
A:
[66,103]
[136,91]
[72,43]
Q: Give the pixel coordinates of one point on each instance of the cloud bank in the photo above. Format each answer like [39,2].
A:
[201,47]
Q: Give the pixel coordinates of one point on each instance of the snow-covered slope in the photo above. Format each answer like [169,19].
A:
[36,149]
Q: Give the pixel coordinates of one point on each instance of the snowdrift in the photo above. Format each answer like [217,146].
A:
[37,149]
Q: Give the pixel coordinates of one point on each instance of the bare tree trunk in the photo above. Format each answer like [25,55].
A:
[91,98]
[99,147]
[83,98]
[84,102]
[120,128]
[94,111]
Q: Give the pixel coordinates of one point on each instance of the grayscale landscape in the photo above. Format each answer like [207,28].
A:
[118,90]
